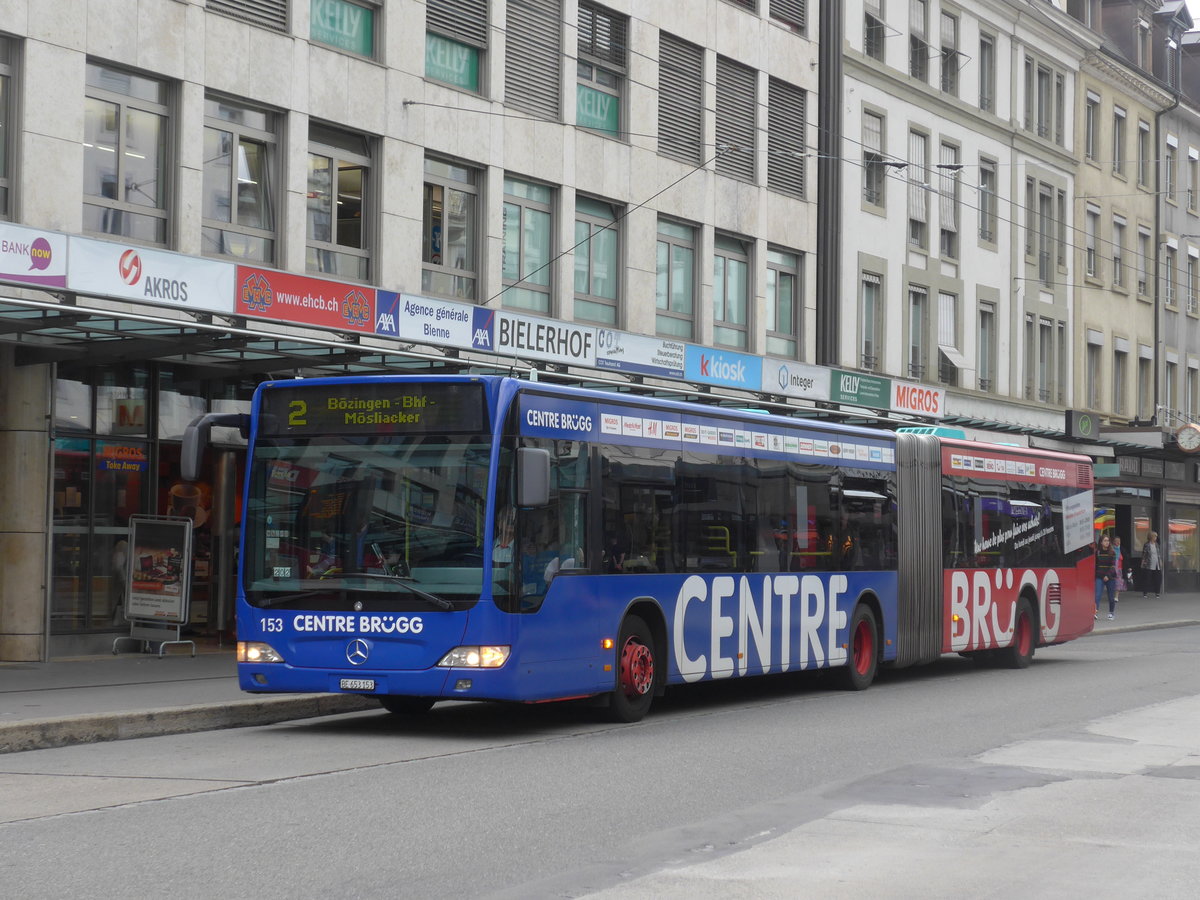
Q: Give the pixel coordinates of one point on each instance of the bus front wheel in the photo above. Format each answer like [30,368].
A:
[636,672]
[1019,654]
[863,652]
[407,706]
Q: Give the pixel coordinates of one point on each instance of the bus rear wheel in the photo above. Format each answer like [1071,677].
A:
[1019,654]
[637,672]
[863,652]
[407,706]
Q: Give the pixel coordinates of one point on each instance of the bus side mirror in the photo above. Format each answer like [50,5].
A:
[533,476]
[195,439]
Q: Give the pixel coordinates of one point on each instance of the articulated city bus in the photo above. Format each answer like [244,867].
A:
[461,537]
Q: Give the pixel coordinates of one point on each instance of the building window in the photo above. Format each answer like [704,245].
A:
[986,351]
[1193,174]
[918,304]
[1193,391]
[874,169]
[1093,375]
[1169,276]
[1120,362]
[1030,351]
[456,39]
[528,239]
[872,334]
[125,151]
[1145,159]
[791,12]
[1091,127]
[348,25]
[533,57]
[339,204]
[875,32]
[597,261]
[1062,363]
[918,48]
[786,132]
[1045,360]
[951,59]
[680,99]
[6,125]
[1143,284]
[735,130]
[603,49]
[949,200]
[1062,229]
[731,292]
[1045,235]
[1170,376]
[1192,264]
[1118,250]
[674,293]
[987,72]
[1060,108]
[1091,230]
[988,201]
[1145,381]
[239,190]
[1118,142]
[1169,157]
[950,360]
[266,13]
[450,231]
[784,278]
[1029,94]
[1030,216]
[1044,103]
[918,189]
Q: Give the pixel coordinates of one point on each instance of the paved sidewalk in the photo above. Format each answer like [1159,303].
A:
[75,701]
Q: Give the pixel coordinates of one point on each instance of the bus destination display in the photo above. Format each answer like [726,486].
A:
[365,408]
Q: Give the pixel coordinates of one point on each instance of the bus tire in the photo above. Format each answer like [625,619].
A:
[407,706]
[863,653]
[1019,654]
[637,672]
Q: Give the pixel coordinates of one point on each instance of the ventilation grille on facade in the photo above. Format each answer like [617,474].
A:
[735,119]
[602,35]
[1085,475]
[267,13]
[680,98]
[790,11]
[786,136]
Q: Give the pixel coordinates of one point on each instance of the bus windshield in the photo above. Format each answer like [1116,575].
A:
[379,522]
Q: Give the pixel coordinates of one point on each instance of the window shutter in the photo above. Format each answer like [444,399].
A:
[786,133]
[949,186]
[917,177]
[462,20]
[735,119]
[267,13]
[602,36]
[533,57]
[680,98]
[790,11]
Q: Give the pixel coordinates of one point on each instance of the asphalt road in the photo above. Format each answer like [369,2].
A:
[544,801]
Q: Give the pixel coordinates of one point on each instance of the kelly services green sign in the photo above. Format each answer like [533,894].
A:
[344,25]
[598,110]
[451,62]
[860,390]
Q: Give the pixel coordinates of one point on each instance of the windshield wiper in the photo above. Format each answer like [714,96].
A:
[406,583]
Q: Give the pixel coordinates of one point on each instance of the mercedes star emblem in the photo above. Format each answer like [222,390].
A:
[356,652]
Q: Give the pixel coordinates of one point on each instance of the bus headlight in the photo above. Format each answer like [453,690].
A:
[476,657]
[257,652]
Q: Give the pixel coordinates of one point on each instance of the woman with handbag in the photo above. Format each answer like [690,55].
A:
[1151,576]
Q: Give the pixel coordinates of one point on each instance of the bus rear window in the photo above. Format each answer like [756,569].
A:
[373,408]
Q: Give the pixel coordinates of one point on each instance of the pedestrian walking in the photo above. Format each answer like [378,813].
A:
[1151,575]
[1116,542]
[1106,576]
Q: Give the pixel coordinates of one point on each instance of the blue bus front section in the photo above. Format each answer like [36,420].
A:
[715,626]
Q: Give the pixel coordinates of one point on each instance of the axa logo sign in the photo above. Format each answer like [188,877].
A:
[483,329]
[717,367]
[387,313]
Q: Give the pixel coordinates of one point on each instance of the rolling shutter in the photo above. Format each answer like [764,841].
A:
[790,11]
[533,57]
[680,99]
[786,135]
[735,119]
[267,13]
[462,20]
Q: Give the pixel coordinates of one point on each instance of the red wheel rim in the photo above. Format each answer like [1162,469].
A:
[637,668]
[864,648]
[1024,634]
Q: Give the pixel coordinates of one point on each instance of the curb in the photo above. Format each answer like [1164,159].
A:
[1148,626]
[63,731]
